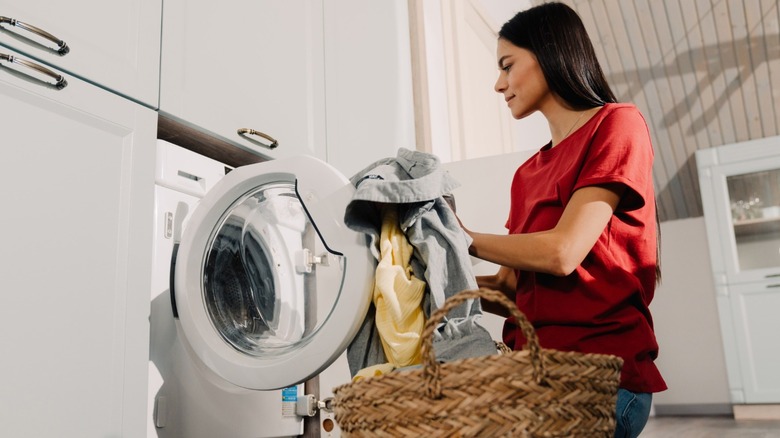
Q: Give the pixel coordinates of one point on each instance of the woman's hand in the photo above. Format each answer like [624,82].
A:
[451,203]
[504,281]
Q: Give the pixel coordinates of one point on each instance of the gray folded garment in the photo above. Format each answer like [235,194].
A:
[417,184]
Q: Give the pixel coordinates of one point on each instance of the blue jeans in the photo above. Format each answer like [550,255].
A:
[632,412]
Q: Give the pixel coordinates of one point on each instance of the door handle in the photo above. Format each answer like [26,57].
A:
[60,80]
[62,47]
[247,131]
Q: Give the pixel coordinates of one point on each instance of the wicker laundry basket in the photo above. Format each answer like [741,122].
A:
[535,392]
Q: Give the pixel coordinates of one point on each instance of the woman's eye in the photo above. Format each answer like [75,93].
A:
[506,67]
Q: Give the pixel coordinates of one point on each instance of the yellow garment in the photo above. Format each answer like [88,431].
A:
[397,295]
[373,371]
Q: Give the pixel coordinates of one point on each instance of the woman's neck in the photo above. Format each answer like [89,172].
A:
[566,121]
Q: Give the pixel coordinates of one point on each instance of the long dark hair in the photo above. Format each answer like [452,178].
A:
[554,33]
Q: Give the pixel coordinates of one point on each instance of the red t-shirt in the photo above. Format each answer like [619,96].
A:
[602,307]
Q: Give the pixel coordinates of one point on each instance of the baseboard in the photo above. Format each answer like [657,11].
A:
[756,412]
[703,409]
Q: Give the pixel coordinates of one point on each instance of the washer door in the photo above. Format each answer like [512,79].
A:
[270,285]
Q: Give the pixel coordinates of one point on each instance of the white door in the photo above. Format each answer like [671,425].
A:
[270,285]
[745,202]
[76,189]
[753,307]
[249,65]
[114,44]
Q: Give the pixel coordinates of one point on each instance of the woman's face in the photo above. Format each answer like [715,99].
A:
[520,80]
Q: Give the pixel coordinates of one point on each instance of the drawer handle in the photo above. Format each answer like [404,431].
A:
[246,131]
[772,276]
[61,82]
[63,48]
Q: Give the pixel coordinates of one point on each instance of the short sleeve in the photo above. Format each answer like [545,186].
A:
[621,152]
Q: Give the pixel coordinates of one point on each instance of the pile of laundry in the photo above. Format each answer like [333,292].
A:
[422,259]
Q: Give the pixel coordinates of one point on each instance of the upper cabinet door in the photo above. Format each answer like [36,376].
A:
[248,71]
[368,80]
[115,44]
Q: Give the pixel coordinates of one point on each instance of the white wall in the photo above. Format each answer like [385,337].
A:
[375,121]
[691,355]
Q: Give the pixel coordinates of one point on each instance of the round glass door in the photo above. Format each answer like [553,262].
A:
[255,298]
[270,284]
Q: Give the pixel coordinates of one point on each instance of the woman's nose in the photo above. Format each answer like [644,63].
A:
[500,85]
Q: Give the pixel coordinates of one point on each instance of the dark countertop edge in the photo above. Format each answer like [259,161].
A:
[203,143]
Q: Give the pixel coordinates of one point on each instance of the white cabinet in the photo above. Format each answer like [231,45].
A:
[76,186]
[740,186]
[114,44]
[247,64]
[368,82]
[328,78]
[754,308]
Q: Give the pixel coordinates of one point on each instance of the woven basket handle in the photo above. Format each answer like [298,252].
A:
[432,369]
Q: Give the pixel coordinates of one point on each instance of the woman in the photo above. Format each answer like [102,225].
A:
[581,258]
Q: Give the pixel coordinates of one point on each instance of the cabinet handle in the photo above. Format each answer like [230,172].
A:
[772,275]
[247,131]
[773,285]
[61,82]
[62,49]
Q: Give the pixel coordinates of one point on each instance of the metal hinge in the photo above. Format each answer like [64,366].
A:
[308,405]
[304,260]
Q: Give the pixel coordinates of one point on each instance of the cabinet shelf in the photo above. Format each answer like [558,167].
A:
[747,227]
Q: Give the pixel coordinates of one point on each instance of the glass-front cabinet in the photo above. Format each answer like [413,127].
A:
[740,188]
[754,199]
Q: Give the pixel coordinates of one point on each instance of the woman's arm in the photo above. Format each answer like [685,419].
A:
[560,250]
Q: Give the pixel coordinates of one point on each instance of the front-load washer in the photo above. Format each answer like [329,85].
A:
[267,287]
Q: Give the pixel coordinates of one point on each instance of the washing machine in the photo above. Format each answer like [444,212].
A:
[258,287]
